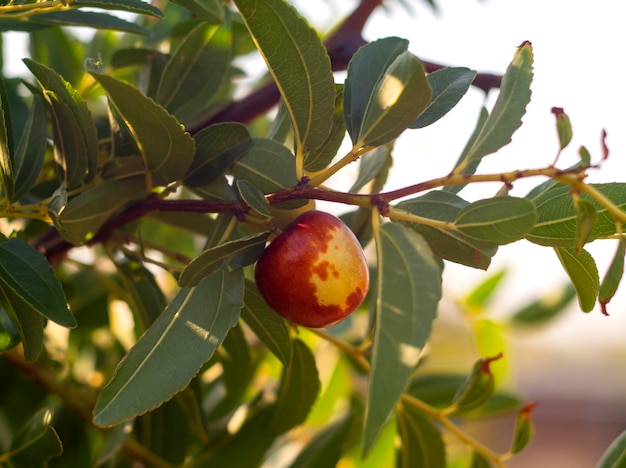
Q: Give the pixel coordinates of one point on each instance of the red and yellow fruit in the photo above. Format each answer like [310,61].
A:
[314,273]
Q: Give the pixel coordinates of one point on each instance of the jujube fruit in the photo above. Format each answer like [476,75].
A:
[314,273]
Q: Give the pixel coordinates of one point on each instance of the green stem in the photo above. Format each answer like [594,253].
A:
[327,173]
[401,215]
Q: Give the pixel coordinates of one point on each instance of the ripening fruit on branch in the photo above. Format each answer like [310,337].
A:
[314,273]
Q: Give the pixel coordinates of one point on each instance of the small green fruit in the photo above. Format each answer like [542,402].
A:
[314,273]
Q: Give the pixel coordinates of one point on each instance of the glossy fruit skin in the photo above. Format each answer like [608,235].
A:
[314,273]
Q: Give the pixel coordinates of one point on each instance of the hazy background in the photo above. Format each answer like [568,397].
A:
[574,367]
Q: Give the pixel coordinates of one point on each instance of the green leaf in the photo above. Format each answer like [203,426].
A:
[253,197]
[36,442]
[449,85]
[490,339]
[399,97]
[469,167]
[31,149]
[28,321]
[28,274]
[165,146]
[217,147]
[89,19]
[227,256]
[173,349]
[507,112]
[299,64]
[298,391]
[450,245]
[613,276]
[371,164]
[557,216]
[268,165]
[544,309]
[615,454]
[477,388]
[407,294]
[563,127]
[211,11]
[421,442]
[195,72]
[365,70]
[586,216]
[75,134]
[145,296]
[478,298]
[81,218]
[524,429]
[133,6]
[325,449]
[496,221]
[479,461]
[6,145]
[321,156]
[582,270]
[266,324]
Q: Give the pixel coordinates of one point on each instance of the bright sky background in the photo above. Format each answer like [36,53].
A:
[578,49]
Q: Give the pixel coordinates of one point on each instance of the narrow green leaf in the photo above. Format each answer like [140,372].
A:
[450,245]
[496,221]
[89,19]
[421,442]
[408,291]
[399,97]
[133,6]
[321,156]
[524,429]
[478,298]
[173,349]
[299,63]
[195,72]
[36,442]
[582,270]
[469,167]
[28,322]
[510,106]
[449,85]
[371,164]
[266,324]
[268,165]
[10,335]
[563,127]
[145,296]
[615,454]
[490,339]
[249,445]
[253,197]
[211,11]
[298,391]
[477,388]
[586,216]
[365,70]
[6,145]
[165,146]
[557,216]
[227,256]
[28,274]
[31,149]
[217,147]
[479,461]
[81,218]
[75,134]
[325,449]
[613,276]
[544,309]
